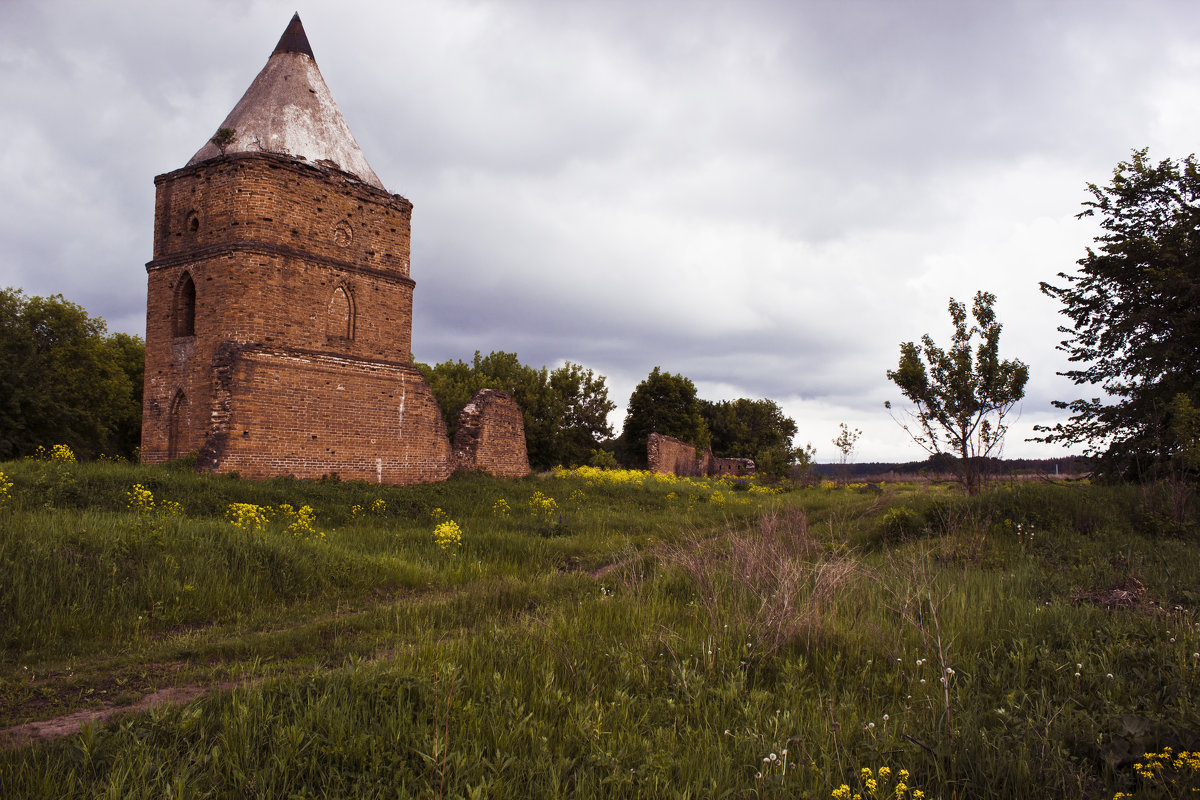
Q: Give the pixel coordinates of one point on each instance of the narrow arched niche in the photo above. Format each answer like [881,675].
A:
[339,319]
[184,322]
[177,426]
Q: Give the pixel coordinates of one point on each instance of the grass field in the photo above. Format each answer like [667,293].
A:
[593,634]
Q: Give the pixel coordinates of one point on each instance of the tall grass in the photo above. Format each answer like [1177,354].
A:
[1032,641]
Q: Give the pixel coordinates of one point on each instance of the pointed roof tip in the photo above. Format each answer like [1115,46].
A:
[288,110]
[294,40]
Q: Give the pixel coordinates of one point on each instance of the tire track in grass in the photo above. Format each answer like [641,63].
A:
[47,730]
[50,729]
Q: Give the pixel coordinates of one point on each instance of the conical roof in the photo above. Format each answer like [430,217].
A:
[290,111]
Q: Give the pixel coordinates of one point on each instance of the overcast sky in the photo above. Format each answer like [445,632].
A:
[767,197]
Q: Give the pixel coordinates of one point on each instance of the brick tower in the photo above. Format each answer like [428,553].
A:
[279,304]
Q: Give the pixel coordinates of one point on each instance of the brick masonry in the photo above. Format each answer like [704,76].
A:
[279,330]
[671,456]
[490,436]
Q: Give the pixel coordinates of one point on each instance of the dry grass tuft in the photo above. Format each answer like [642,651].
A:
[1126,593]
[771,583]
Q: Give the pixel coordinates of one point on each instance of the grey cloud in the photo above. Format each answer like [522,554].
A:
[765,196]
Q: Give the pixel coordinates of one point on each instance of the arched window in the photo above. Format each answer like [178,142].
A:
[185,307]
[177,426]
[339,320]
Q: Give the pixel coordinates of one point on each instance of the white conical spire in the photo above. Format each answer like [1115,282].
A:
[289,110]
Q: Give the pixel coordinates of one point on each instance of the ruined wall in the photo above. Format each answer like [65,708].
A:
[670,456]
[730,466]
[288,412]
[491,436]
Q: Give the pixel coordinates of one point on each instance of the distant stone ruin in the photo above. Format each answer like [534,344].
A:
[670,456]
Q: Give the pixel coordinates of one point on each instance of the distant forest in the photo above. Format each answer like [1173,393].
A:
[946,465]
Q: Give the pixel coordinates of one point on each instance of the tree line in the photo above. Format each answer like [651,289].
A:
[566,414]
[65,380]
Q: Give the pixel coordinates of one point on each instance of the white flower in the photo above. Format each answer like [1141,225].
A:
[885,717]
[1079,666]
[1110,676]
[1076,674]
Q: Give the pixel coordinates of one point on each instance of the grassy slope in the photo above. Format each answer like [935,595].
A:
[638,643]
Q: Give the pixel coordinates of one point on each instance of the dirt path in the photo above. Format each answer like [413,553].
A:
[49,729]
[46,730]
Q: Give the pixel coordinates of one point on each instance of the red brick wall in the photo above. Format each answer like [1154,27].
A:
[277,200]
[671,456]
[289,412]
[490,436]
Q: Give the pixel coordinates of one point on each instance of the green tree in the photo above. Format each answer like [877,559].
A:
[665,404]
[581,403]
[64,380]
[1134,310]
[963,394]
[845,441]
[755,429]
[565,410]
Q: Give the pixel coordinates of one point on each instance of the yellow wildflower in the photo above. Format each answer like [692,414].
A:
[247,516]
[448,536]
[140,499]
